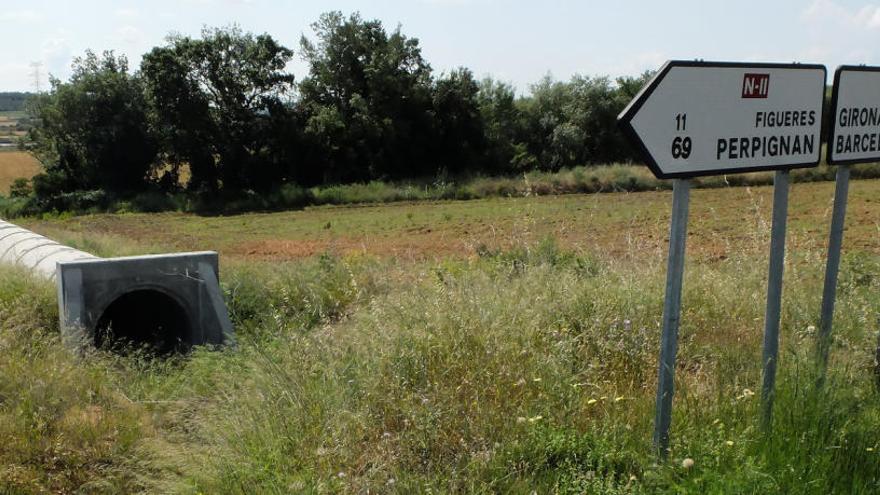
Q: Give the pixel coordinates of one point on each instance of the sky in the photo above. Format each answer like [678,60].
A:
[517,41]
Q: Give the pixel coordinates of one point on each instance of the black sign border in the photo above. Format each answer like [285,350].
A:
[834,93]
[624,120]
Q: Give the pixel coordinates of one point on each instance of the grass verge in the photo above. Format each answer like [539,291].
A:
[518,370]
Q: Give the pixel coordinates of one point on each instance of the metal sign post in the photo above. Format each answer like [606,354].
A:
[774,293]
[832,264]
[855,111]
[709,118]
[671,313]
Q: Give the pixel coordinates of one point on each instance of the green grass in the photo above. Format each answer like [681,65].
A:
[527,365]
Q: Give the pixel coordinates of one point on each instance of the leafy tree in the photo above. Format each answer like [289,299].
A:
[20,188]
[92,131]
[460,145]
[543,112]
[575,123]
[502,127]
[218,102]
[367,100]
[14,101]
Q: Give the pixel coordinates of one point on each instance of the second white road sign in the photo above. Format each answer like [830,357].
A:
[709,118]
[855,127]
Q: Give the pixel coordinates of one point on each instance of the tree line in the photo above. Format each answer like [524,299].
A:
[12,101]
[220,115]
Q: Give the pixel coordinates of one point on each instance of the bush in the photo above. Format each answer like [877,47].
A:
[20,188]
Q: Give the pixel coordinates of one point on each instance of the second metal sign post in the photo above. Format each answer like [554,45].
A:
[855,138]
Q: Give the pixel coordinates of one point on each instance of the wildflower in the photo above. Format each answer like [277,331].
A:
[729,443]
[535,419]
[591,402]
[870,449]
[746,394]
[341,474]
[687,463]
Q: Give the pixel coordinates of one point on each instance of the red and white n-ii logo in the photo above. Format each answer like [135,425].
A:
[756,85]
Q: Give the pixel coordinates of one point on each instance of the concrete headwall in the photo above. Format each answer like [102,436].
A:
[167,301]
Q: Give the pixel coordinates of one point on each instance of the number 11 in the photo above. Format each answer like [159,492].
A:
[681,122]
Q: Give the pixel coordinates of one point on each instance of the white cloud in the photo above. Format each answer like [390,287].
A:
[129,35]
[57,55]
[127,13]
[18,76]
[829,12]
[650,60]
[446,3]
[21,16]
[868,16]
[836,34]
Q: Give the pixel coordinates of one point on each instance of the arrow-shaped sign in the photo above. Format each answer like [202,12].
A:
[709,118]
[855,115]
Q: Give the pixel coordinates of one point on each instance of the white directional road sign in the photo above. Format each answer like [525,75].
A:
[709,118]
[855,104]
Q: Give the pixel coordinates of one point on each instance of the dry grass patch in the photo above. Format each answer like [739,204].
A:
[15,165]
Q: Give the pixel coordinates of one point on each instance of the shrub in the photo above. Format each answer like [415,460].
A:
[20,188]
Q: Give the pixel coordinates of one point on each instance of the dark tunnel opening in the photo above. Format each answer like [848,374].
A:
[145,320]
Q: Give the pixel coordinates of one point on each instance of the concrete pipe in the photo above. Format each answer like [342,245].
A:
[167,302]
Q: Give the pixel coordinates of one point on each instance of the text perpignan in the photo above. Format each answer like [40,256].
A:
[732,148]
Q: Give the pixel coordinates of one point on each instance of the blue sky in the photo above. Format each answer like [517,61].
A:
[516,41]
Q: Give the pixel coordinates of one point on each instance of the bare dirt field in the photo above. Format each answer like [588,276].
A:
[16,164]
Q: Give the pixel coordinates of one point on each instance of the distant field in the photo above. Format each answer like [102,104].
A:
[723,223]
[16,164]
[12,114]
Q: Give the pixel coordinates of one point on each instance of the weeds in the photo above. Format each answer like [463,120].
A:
[524,369]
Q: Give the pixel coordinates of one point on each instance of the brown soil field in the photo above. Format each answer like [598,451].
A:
[723,223]
[16,164]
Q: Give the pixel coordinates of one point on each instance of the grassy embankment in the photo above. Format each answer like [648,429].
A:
[502,345]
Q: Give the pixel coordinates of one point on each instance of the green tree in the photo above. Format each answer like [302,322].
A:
[548,135]
[367,101]
[460,143]
[575,123]
[91,132]
[502,127]
[218,103]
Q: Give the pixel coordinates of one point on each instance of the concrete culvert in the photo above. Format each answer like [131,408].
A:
[145,320]
[166,302]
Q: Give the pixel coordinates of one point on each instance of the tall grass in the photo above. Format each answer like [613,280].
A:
[531,369]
